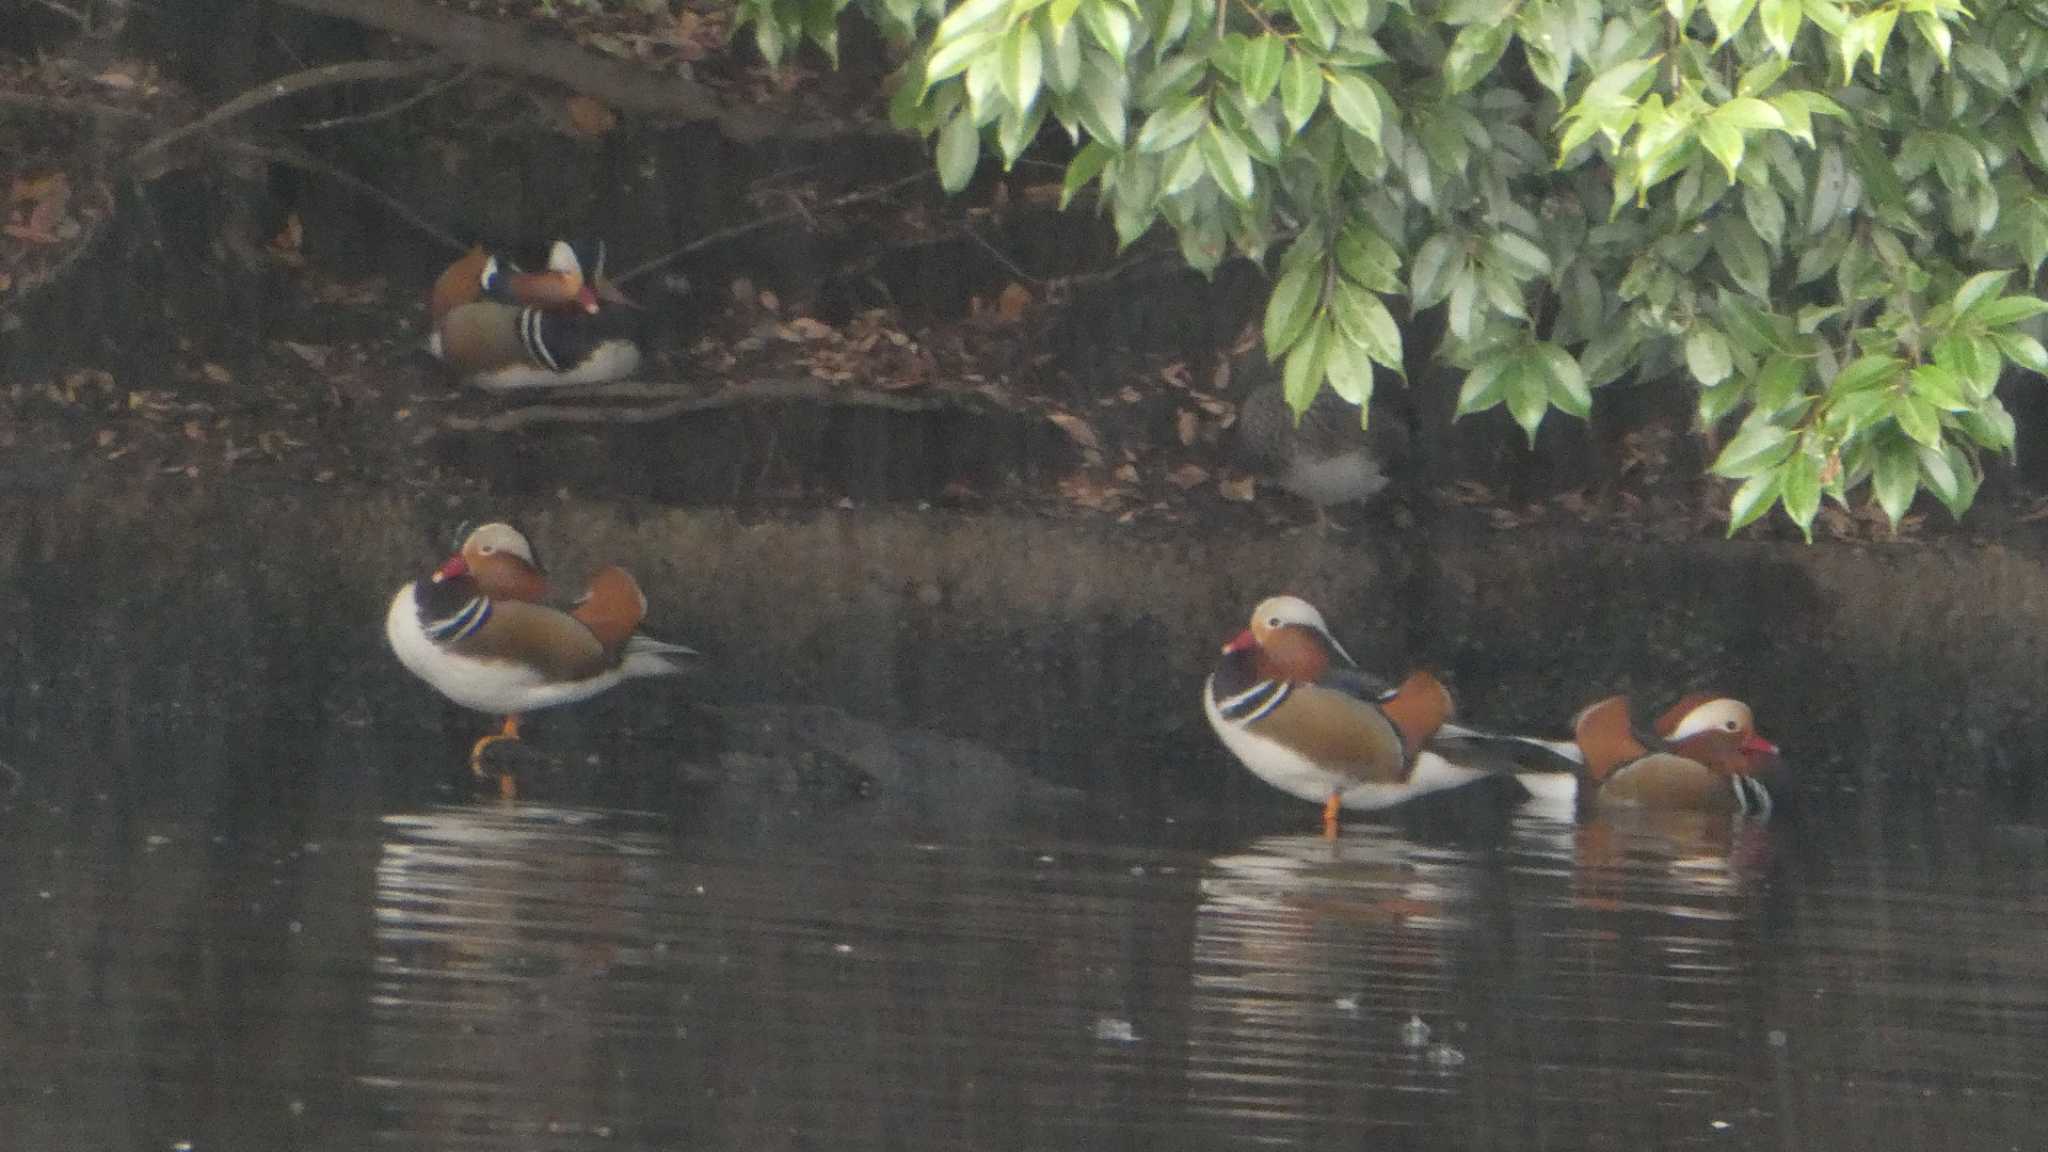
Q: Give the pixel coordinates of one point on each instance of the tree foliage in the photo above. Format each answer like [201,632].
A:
[1825,213]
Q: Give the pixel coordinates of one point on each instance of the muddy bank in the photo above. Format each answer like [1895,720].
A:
[183,628]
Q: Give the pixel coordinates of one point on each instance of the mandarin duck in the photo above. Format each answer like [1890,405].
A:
[483,275]
[1295,709]
[503,329]
[1552,770]
[510,656]
[1325,457]
[1707,756]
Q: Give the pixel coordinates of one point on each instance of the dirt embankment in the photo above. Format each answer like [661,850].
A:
[237,617]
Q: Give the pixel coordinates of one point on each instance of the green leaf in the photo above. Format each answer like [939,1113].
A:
[1230,165]
[1749,114]
[1364,319]
[1728,17]
[1938,387]
[1109,23]
[1263,59]
[1780,383]
[1430,277]
[1743,256]
[1306,364]
[1062,54]
[1766,213]
[2022,350]
[1865,372]
[1939,473]
[1917,418]
[1781,19]
[2008,310]
[1367,259]
[1799,489]
[1021,66]
[1105,88]
[1356,104]
[1301,89]
[1723,142]
[1528,393]
[1977,289]
[1484,385]
[1173,124]
[1062,12]
[1316,21]
[1292,306]
[1752,500]
[1991,426]
[1518,255]
[1707,355]
[959,151]
[1758,446]
[1568,390]
[1474,53]
[1349,372]
[951,55]
[1086,165]
[1895,477]
[1719,400]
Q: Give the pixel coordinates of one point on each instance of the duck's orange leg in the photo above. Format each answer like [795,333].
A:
[1331,807]
[507,786]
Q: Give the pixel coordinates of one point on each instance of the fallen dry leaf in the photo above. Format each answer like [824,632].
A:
[1126,474]
[1078,430]
[590,117]
[315,355]
[1186,426]
[1242,488]
[1013,303]
[1187,476]
[216,373]
[284,247]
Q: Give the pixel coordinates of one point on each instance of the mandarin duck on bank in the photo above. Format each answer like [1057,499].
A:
[1293,707]
[509,656]
[1708,757]
[502,329]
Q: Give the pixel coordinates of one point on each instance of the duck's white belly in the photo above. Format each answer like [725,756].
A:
[1298,776]
[500,687]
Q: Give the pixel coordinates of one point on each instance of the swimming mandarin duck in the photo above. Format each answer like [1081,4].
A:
[508,656]
[1552,769]
[1708,757]
[1293,707]
[502,329]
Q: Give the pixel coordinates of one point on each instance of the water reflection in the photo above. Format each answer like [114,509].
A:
[497,977]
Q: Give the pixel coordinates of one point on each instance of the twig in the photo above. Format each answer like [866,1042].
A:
[13,777]
[68,12]
[294,158]
[723,235]
[69,105]
[731,396]
[291,85]
[393,109]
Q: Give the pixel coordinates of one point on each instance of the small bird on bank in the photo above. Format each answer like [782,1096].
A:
[1289,702]
[1326,457]
[508,656]
[503,329]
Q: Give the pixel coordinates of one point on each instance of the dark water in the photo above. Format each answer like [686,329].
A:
[489,976]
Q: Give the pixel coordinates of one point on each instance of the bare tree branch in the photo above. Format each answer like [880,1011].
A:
[723,235]
[731,396]
[291,85]
[395,107]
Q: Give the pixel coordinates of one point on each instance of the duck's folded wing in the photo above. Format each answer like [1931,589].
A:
[553,644]
[1358,684]
[1337,732]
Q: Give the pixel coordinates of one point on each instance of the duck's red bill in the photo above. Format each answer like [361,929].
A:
[456,566]
[1241,641]
[1755,744]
